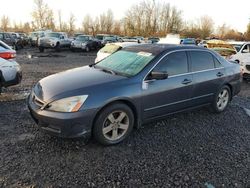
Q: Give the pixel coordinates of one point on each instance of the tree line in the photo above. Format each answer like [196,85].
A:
[147,18]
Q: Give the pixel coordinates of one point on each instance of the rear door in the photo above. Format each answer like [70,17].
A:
[162,97]
[208,75]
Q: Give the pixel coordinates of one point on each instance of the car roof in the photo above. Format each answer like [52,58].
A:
[123,44]
[157,49]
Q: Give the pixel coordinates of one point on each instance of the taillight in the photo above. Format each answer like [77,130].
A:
[7,55]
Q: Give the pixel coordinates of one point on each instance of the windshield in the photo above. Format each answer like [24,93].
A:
[237,47]
[109,38]
[56,35]
[82,38]
[110,49]
[100,37]
[126,62]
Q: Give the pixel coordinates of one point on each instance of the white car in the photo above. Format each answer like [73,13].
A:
[111,48]
[245,68]
[242,54]
[10,70]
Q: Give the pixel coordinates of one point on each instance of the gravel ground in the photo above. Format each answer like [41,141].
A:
[192,149]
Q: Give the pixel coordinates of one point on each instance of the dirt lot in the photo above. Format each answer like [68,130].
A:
[192,149]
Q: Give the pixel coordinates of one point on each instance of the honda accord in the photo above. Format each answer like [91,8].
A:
[132,86]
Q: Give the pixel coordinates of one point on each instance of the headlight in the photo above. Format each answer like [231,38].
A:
[70,104]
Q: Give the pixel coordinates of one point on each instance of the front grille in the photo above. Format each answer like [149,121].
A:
[248,67]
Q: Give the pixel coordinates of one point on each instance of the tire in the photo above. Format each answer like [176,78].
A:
[87,49]
[58,48]
[41,49]
[221,100]
[123,121]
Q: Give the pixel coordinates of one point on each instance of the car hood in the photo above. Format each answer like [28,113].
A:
[72,81]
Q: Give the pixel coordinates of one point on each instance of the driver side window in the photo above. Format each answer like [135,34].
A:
[174,64]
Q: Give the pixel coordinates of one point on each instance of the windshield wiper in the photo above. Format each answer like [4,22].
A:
[108,71]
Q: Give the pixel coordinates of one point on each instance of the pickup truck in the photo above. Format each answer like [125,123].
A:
[54,40]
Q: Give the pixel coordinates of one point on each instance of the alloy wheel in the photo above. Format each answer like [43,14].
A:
[115,125]
[223,99]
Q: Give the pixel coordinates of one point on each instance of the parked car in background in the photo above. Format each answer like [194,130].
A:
[8,39]
[130,87]
[242,54]
[203,43]
[10,70]
[245,68]
[85,42]
[35,36]
[153,40]
[188,41]
[111,48]
[225,49]
[18,39]
[130,39]
[54,40]
[236,44]
[170,39]
[108,39]
[25,39]
[140,39]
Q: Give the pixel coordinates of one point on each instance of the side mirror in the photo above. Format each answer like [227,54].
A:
[157,75]
[61,37]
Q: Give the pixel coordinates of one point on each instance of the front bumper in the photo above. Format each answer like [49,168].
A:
[67,125]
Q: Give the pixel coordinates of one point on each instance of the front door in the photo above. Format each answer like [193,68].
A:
[161,97]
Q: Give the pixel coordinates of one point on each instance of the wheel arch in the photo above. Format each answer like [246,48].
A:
[127,102]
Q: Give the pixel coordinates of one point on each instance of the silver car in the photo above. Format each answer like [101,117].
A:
[10,70]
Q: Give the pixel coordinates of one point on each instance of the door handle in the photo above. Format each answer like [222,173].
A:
[219,74]
[186,81]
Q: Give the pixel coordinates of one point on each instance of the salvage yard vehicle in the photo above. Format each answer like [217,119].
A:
[54,40]
[8,39]
[130,87]
[225,49]
[85,42]
[245,68]
[111,48]
[242,54]
[188,41]
[10,70]
[35,36]
[153,40]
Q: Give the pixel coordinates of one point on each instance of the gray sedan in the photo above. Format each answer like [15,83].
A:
[132,86]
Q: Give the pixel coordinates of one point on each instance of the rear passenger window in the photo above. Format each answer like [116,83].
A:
[217,63]
[174,64]
[201,61]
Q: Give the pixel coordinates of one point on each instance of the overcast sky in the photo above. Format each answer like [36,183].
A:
[234,13]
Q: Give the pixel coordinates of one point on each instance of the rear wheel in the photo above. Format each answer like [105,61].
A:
[87,49]
[221,100]
[113,124]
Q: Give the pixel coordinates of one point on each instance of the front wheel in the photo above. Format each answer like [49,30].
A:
[113,124]
[221,100]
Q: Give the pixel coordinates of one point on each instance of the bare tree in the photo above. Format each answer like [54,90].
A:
[60,20]
[42,15]
[206,25]
[5,23]
[152,18]
[87,24]
[247,34]
[72,20]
